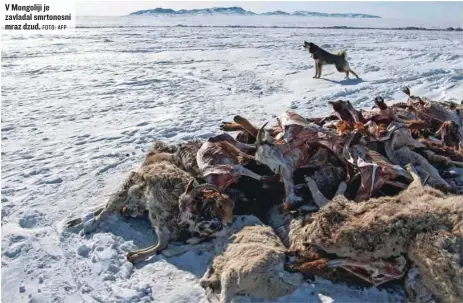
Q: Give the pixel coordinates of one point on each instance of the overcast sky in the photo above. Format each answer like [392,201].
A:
[421,10]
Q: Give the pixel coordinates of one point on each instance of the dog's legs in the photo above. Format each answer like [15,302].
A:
[347,73]
[142,254]
[320,67]
[316,70]
[350,70]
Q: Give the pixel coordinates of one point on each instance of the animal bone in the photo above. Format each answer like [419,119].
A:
[291,151]
[375,170]
[375,272]
[221,161]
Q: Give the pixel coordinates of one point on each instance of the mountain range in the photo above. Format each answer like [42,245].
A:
[242,12]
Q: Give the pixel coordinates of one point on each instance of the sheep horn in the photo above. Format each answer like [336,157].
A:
[189,186]
[259,135]
[195,191]
[406,90]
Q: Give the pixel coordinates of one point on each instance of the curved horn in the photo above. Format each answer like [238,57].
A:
[195,191]
[406,90]
[189,186]
[259,135]
[267,137]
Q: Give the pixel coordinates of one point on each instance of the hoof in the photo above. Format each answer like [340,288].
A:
[238,119]
[73,223]
[205,283]
[133,257]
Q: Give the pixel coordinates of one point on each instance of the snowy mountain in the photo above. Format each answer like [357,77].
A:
[336,15]
[204,11]
[276,13]
[240,11]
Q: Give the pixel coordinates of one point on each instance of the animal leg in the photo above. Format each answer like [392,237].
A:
[211,295]
[246,125]
[246,148]
[317,196]
[77,221]
[115,203]
[375,272]
[206,279]
[347,74]
[320,67]
[316,70]
[142,254]
[353,73]
[341,189]
[229,286]
[291,198]
[230,127]
[246,172]
[92,224]
[411,169]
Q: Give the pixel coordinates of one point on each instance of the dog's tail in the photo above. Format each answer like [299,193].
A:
[342,54]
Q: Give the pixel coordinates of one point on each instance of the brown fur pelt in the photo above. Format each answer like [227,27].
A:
[382,227]
[250,261]
[182,155]
[438,257]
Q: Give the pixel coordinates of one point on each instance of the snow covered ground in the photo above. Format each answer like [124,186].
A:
[80,111]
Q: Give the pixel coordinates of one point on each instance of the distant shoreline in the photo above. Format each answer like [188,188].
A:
[239,11]
[408,28]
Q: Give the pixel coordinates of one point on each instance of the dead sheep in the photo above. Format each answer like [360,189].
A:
[421,222]
[250,262]
[438,257]
[383,227]
[159,187]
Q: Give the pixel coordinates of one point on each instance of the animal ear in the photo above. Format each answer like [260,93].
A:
[226,206]
[305,42]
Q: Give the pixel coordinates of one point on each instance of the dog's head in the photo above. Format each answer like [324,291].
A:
[204,210]
[309,46]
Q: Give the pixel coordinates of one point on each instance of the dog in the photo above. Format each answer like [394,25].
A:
[323,57]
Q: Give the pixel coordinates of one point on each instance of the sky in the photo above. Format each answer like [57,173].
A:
[415,9]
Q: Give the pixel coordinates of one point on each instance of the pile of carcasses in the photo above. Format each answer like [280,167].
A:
[337,191]
[359,196]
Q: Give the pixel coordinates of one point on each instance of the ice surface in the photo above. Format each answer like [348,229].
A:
[80,111]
